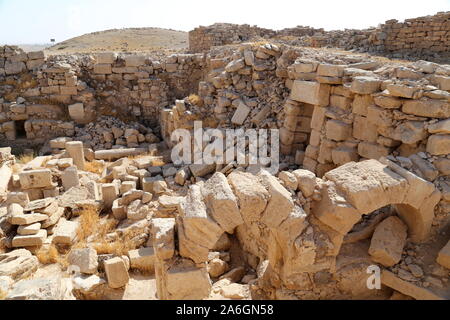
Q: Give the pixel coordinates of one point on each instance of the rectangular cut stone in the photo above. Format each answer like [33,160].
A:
[427,108]
[443,257]
[65,232]
[30,240]
[311,92]
[116,272]
[41,178]
[241,114]
[163,232]
[25,219]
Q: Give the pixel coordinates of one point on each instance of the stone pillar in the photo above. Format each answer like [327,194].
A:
[76,152]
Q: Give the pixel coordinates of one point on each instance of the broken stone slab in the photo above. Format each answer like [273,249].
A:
[20,198]
[115,154]
[201,170]
[69,178]
[65,232]
[59,143]
[280,203]
[18,264]
[86,284]
[25,230]
[142,259]
[199,227]
[391,280]
[26,219]
[188,248]
[252,195]
[32,179]
[116,272]
[30,240]
[388,241]
[334,210]
[222,202]
[163,231]
[183,281]
[38,204]
[240,114]
[306,181]
[443,257]
[438,144]
[85,259]
[53,218]
[54,288]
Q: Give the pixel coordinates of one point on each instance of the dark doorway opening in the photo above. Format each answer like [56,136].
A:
[20,129]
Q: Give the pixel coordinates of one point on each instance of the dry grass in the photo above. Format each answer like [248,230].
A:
[196,100]
[94,166]
[52,255]
[2,295]
[25,158]
[118,247]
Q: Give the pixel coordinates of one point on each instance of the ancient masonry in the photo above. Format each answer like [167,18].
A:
[363,178]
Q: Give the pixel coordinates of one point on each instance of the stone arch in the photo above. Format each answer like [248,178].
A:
[357,189]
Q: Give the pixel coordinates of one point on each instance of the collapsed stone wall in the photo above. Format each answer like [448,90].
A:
[423,37]
[45,97]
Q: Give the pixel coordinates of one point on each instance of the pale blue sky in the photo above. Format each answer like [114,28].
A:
[36,21]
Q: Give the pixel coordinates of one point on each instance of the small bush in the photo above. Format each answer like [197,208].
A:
[94,166]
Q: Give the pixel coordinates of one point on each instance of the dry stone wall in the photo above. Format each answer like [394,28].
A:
[423,37]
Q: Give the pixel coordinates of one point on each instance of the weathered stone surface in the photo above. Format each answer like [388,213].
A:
[306,181]
[439,144]
[222,202]
[391,280]
[369,185]
[18,264]
[443,257]
[116,272]
[163,230]
[365,85]
[388,241]
[252,195]
[30,229]
[311,92]
[85,259]
[198,225]
[41,178]
[427,108]
[142,259]
[30,240]
[65,232]
[280,203]
[54,288]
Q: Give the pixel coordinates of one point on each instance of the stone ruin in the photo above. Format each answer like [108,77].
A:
[363,177]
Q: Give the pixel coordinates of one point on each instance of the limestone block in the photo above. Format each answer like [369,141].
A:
[220,199]
[369,185]
[427,108]
[338,130]
[440,127]
[335,211]
[105,57]
[69,178]
[364,130]
[311,92]
[134,60]
[76,152]
[330,70]
[443,257]
[32,179]
[198,225]
[18,264]
[365,85]
[30,229]
[306,181]
[76,112]
[65,232]
[102,68]
[86,259]
[343,155]
[252,195]
[400,90]
[116,272]
[142,259]
[240,114]
[118,210]
[388,241]
[410,132]
[439,144]
[109,194]
[30,240]
[26,219]
[280,204]
[163,231]
[372,150]
[289,180]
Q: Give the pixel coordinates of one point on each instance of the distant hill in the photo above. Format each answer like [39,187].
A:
[124,40]
[33,47]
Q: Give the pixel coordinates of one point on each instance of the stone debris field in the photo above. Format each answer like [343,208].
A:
[92,205]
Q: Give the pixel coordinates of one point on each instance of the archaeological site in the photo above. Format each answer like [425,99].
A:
[354,204]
